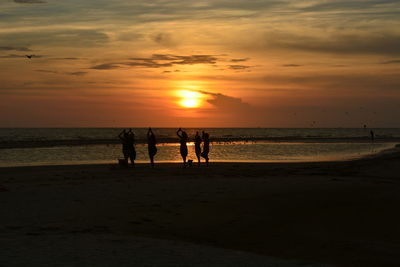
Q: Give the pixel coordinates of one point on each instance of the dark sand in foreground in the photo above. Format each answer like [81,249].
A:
[339,213]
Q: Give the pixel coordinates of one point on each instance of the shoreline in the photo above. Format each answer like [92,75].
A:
[336,213]
[394,149]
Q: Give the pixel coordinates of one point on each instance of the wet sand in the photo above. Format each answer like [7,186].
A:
[229,214]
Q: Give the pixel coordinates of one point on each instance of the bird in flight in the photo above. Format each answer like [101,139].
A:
[29,56]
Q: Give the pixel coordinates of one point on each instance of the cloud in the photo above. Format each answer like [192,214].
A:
[239,59]
[231,109]
[154,60]
[67,38]
[385,43]
[106,66]
[239,67]
[165,39]
[395,61]
[148,64]
[160,57]
[129,36]
[20,56]
[160,61]
[30,1]
[15,48]
[342,83]
[12,56]
[225,102]
[357,83]
[66,58]
[137,12]
[77,73]
[343,5]
[195,59]
[291,65]
[47,71]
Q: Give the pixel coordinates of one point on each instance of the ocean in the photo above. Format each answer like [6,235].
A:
[60,146]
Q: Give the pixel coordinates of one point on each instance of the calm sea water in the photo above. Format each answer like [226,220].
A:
[53,146]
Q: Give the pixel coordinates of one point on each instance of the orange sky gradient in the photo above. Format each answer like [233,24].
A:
[185,63]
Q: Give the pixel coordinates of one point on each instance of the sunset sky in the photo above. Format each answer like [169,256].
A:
[221,63]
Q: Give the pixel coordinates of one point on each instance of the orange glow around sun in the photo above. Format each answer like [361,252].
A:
[189,99]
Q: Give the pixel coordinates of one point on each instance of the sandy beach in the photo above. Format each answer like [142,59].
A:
[229,214]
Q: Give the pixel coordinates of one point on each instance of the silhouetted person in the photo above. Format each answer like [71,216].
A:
[197,146]
[128,145]
[151,142]
[124,141]
[372,135]
[206,146]
[131,143]
[183,149]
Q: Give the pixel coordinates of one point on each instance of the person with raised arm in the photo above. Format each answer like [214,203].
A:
[151,142]
[183,148]
[131,146]
[124,138]
[206,146]
[197,146]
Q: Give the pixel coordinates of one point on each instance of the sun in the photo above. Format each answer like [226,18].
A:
[189,103]
[189,99]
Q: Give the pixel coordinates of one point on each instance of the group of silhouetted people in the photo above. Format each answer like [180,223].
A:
[128,145]
[205,139]
[127,138]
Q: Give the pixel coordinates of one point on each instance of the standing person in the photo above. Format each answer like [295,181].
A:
[151,142]
[183,149]
[128,149]
[124,141]
[372,135]
[131,147]
[206,146]
[197,146]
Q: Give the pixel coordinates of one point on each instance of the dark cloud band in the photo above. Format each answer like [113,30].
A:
[30,1]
